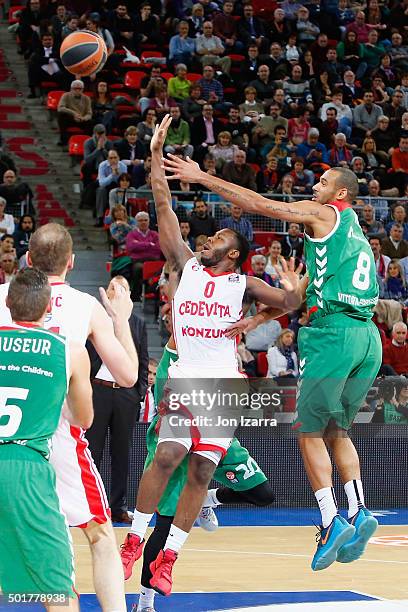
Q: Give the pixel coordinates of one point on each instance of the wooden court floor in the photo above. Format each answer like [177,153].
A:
[270,559]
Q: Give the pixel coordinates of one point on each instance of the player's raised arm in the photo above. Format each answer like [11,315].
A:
[287,299]
[79,397]
[172,244]
[307,212]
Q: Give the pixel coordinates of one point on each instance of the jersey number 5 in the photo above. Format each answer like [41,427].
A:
[14,413]
[361,276]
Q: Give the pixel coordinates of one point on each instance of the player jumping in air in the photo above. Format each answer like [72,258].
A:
[207,301]
[340,353]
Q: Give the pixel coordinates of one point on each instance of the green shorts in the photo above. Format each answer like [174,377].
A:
[35,545]
[339,361]
[237,471]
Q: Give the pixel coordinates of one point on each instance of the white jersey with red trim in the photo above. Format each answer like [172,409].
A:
[204,306]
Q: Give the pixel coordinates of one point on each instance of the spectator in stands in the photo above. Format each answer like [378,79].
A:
[8,267]
[312,151]
[145,128]
[374,162]
[7,244]
[225,27]
[394,285]
[71,25]
[319,51]
[399,163]
[6,221]
[292,244]
[147,25]
[360,27]
[263,134]
[398,215]
[395,247]
[265,335]
[250,66]
[26,226]
[366,116]
[178,135]
[286,188]
[263,84]
[179,86]
[210,49]
[344,115]
[121,225]
[279,28]
[130,149]
[363,177]
[181,46]
[123,194]
[74,110]
[388,74]
[380,204]
[381,261]
[282,359]
[258,264]
[17,195]
[103,109]
[339,154]
[306,30]
[96,151]
[329,127]
[116,409]
[238,223]
[224,150]
[371,227]
[108,177]
[351,92]
[239,131]
[58,21]
[201,222]
[383,136]
[299,126]
[93,24]
[303,179]
[29,25]
[196,20]
[204,132]
[297,90]
[142,244]
[292,53]
[161,102]
[212,90]
[398,52]
[321,88]
[351,53]
[274,263]
[185,233]
[45,65]
[239,172]
[193,105]
[396,352]
[148,409]
[122,27]
[148,86]
[373,52]
[250,107]
[251,29]
[276,62]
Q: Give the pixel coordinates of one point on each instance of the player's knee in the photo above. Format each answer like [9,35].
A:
[200,470]
[261,495]
[168,457]
[98,532]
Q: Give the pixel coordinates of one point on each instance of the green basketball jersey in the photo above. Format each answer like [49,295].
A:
[33,385]
[169,356]
[391,414]
[342,274]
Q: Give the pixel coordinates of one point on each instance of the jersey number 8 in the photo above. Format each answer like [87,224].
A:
[361,276]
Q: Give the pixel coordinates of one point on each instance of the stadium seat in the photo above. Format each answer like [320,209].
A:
[265,239]
[261,364]
[12,17]
[193,76]
[133,78]
[76,146]
[150,53]
[151,272]
[255,167]
[167,75]
[53,98]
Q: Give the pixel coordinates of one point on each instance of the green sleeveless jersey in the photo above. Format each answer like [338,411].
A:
[342,274]
[33,385]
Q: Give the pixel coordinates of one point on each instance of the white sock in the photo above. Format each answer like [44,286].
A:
[146,598]
[211,499]
[355,496]
[175,539]
[140,523]
[327,504]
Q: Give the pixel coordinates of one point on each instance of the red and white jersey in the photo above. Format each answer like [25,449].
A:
[204,306]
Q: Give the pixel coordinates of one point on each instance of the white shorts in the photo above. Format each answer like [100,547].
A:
[79,485]
[213,448]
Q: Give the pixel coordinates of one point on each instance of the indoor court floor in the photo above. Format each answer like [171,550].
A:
[260,560]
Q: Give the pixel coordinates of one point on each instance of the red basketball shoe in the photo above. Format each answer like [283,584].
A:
[131,551]
[161,569]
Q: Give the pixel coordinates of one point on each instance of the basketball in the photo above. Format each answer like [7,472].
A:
[83,53]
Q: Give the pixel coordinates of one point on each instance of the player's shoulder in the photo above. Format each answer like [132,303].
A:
[79,297]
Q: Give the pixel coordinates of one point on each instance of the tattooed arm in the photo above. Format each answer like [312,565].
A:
[308,212]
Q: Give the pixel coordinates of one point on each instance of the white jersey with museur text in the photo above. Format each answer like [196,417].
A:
[204,306]
[79,485]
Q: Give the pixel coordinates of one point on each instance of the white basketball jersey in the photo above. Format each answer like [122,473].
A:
[204,306]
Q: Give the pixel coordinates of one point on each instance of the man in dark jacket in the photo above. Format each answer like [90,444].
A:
[201,223]
[45,65]
[117,408]
[204,132]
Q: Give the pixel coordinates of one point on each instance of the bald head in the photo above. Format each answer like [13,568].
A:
[50,249]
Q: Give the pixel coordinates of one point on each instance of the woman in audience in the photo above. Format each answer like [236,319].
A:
[120,227]
[394,286]
[145,128]
[350,52]
[321,88]
[282,359]
[6,221]
[224,150]
[274,265]
[271,175]
[122,194]
[22,235]
[193,105]
[103,110]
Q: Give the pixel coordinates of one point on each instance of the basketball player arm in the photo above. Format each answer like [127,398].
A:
[175,250]
[79,396]
[307,212]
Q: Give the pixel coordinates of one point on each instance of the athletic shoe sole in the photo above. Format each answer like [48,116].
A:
[330,554]
[353,550]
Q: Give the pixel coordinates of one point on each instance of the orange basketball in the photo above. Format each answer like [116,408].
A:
[83,53]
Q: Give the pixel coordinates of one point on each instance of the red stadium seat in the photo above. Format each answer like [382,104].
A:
[76,145]
[167,75]
[255,168]
[151,274]
[236,57]
[265,239]
[193,76]
[261,364]
[150,53]
[133,79]
[12,17]
[284,321]
[53,99]
[124,95]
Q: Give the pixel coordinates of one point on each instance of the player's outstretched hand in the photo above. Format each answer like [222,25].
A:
[243,326]
[289,276]
[185,170]
[120,306]
[159,135]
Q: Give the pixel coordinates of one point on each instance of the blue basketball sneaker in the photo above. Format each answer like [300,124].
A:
[329,540]
[365,525]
